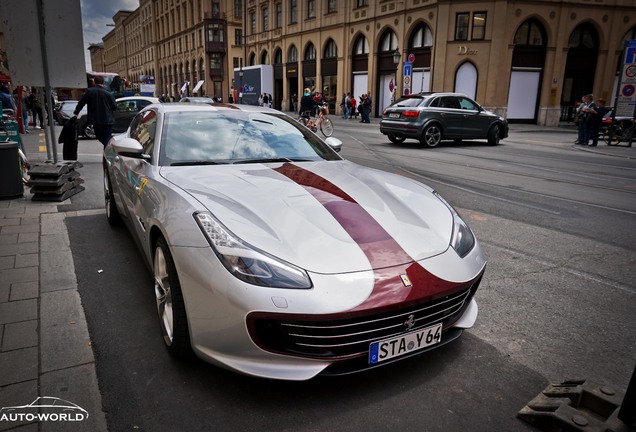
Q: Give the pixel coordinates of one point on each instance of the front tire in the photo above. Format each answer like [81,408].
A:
[170,305]
[432,136]
[112,214]
[494,135]
[396,139]
[326,127]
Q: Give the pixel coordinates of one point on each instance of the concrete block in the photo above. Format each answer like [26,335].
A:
[64,338]
[18,365]
[19,248]
[27,260]
[7,262]
[15,395]
[7,221]
[28,237]
[23,291]
[57,271]
[20,335]
[77,385]
[25,274]
[33,228]
[53,224]
[8,238]
[17,311]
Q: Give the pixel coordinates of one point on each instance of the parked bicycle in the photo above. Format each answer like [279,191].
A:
[623,130]
[322,122]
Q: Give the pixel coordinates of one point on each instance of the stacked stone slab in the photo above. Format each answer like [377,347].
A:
[55,182]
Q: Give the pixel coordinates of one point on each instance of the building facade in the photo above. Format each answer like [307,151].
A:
[530,61]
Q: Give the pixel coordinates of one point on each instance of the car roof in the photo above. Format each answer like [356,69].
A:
[147,98]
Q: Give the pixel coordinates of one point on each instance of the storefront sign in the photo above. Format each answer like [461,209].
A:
[464,50]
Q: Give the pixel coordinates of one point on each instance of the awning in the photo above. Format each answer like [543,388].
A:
[198,86]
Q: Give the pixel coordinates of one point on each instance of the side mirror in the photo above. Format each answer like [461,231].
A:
[127,146]
[334,143]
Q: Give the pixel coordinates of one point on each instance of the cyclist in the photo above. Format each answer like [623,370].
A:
[306,105]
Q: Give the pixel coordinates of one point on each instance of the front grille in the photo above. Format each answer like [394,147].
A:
[334,338]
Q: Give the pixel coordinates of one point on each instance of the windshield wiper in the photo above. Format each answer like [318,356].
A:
[266,160]
[194,162]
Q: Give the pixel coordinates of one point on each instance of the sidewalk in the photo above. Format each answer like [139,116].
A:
[45,347]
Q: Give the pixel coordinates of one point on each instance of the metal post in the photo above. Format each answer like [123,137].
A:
[627,413]
[51,150]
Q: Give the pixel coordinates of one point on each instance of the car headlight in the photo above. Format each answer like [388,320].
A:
[462,238]
[246,262]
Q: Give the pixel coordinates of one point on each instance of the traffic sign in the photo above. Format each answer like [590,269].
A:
[411,58]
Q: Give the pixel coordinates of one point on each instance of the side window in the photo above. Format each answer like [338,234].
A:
[122,106]
[449,102]
[141,104]
[435,103]
[143,129]
[467,104]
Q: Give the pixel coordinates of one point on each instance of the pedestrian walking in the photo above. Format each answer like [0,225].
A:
[101,105]
[36,109]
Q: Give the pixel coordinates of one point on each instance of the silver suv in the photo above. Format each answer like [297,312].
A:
[433,117]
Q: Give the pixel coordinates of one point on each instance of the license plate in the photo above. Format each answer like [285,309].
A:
[399,345]
[394,115]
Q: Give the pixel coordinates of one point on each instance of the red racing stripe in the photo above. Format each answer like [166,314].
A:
[388,259]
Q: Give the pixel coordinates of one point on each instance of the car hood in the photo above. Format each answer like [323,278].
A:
[326,217]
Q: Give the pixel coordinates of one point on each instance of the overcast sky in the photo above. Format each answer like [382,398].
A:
[95,15]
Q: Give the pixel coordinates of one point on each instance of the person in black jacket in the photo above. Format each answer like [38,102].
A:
[101,105]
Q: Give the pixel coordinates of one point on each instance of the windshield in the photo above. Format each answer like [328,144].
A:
[410,101]
[231,136]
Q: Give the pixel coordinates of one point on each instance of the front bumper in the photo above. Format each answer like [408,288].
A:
[224,314]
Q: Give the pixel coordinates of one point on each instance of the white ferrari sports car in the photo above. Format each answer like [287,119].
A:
[273,256]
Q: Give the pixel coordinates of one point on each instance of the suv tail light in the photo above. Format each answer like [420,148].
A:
[411,113]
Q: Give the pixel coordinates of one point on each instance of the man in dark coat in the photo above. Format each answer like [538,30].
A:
[101,105]
[68,137]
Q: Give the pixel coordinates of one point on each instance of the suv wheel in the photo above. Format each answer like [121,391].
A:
[493,135]
[432,136]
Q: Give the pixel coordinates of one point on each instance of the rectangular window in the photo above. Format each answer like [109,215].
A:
[293,11]
[479,26]
[360,3]
[215,33]
[461,26]
[265,19]
[253,23]
[279,15]
[311,9]
[216,61]
[331,6]
[238,8]
[238,37]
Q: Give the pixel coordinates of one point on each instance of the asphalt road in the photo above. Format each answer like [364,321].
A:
[557,302]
